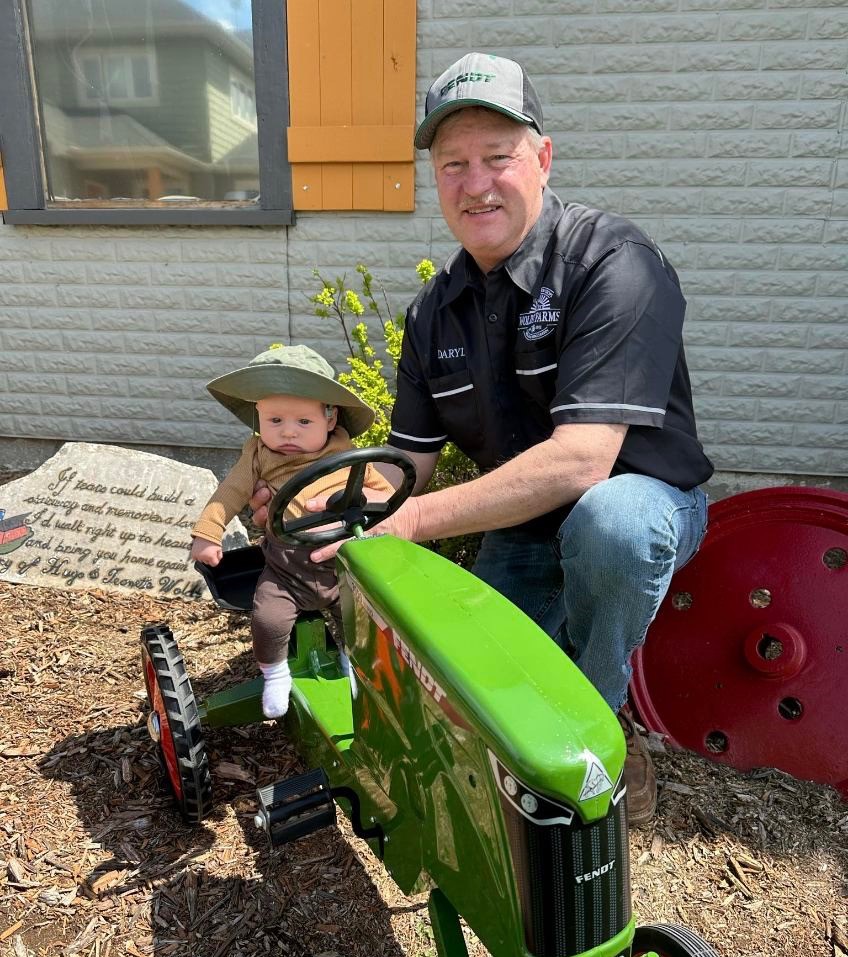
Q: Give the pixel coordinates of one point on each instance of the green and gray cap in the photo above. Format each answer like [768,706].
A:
[480,79]
[289,370]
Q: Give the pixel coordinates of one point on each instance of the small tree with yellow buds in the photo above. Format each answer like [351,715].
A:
[367,376]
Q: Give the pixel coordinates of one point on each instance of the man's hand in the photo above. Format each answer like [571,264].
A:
[403,524]
[210,553]
[259,502]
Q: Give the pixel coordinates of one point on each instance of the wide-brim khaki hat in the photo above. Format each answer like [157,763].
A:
[289,370]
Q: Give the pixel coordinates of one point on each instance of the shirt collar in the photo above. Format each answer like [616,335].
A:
[522,266]
[462,271]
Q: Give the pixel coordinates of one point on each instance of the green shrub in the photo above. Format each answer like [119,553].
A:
[373,383]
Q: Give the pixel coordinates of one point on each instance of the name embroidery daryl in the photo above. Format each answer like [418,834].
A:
[541,319]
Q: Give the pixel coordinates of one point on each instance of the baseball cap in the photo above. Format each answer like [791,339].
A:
[480,79]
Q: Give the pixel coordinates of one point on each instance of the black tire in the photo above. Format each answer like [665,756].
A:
[670,940]
[174,723]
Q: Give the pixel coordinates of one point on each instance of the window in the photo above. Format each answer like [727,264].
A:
[136,111]
[116,77]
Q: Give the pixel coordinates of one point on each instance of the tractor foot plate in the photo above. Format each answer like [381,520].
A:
[295,807]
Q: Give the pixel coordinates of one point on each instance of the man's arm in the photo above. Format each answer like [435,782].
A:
[425,465]
[544,477]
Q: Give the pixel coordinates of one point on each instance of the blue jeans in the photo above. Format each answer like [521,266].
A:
[596,585]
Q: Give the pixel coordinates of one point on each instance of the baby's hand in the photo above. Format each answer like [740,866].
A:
[258,503]
[207,552]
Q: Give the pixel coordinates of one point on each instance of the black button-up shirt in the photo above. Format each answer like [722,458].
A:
[583,323]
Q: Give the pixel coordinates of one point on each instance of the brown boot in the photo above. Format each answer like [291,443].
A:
[638,773]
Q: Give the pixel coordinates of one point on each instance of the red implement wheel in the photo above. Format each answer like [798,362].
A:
[669,940]
[174,723]
[747,660]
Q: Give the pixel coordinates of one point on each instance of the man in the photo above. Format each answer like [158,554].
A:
[549,350]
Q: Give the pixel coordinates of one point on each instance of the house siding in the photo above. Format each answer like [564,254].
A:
[226,131]
[186,122]
[717,125]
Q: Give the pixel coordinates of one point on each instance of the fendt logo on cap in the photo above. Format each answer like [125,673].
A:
[466,78]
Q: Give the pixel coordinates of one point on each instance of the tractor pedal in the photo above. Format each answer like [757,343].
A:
[295,807]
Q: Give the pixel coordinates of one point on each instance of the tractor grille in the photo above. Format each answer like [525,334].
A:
[573,879]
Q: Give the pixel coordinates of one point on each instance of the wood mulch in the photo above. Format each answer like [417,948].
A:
[94,860]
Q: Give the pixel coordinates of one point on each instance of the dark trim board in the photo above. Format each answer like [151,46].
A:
[150,217]
[19,140]
[271,70]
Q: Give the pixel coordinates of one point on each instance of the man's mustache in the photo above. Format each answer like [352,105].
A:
[485,199]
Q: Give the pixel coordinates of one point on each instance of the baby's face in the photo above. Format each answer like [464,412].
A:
[292,426]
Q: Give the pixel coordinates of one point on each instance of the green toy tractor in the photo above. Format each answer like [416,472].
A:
[467,750]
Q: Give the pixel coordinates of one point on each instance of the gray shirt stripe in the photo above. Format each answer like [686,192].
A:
[607,405]
[416,438]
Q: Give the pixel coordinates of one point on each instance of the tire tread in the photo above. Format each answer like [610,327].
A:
[670,940]
[183,721]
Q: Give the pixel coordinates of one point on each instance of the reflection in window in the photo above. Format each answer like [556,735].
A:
[146,100]
[242,99]
[110,76]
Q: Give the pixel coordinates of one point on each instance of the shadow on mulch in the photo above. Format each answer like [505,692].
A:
[158,881]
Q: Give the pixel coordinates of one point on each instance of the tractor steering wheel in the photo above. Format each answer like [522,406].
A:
[348,506]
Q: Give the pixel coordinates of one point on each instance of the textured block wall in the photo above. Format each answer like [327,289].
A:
[110,334]
[718,125]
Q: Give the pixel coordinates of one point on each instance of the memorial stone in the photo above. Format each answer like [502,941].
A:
[99,516]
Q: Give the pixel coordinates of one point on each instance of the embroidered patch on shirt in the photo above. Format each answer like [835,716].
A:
[541,320]
[453,352]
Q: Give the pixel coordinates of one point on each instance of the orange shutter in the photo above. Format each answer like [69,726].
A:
[352,103]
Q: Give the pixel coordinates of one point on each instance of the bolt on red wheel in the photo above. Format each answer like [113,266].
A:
[174,723]
[747,660]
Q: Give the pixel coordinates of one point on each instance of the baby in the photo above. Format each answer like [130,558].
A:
[298,413]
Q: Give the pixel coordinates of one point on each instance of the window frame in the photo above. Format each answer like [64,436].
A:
[23,161]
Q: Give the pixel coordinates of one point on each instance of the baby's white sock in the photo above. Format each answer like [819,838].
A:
[346,669]
[277,688]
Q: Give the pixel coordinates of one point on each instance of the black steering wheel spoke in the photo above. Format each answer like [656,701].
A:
[347,509]
[353,488]
[309,521]
[375,511]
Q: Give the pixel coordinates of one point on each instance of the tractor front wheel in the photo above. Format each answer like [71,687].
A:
[174,723]
[669,940]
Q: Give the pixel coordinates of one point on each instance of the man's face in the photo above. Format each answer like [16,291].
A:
[489,177]
[291,425]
